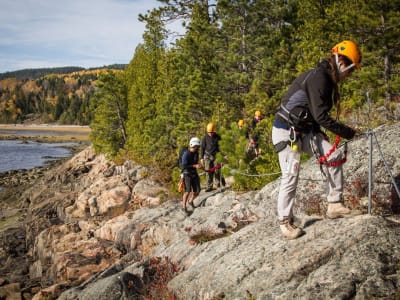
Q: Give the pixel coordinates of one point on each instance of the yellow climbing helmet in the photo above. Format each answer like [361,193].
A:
[241,123]
[210,127]
[350,50]
[257,113]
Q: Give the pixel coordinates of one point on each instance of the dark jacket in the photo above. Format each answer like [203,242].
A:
[209,145]
[188,160]
[313,92]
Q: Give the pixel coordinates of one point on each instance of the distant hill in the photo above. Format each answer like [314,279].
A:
[56,95]
[37,73]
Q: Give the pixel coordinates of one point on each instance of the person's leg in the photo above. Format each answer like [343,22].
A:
[218,176]
[195,190]
[288,183]
[208,164]
[184,199]
[334,174]
[287,189]
[188,189]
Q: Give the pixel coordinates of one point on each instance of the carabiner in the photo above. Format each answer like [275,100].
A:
[292,134]
[292,138]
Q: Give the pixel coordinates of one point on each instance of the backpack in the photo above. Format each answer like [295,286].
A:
[182,151]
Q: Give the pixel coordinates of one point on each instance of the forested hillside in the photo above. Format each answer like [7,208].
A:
[237,57]
[37,73]
[63,98]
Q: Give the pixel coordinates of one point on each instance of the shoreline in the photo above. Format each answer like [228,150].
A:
[40,132]
[43,133]
[45,126]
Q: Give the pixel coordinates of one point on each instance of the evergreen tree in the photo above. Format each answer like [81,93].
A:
[146,128]
[109,103]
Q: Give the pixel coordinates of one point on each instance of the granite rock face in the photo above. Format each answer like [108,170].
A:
[93,230]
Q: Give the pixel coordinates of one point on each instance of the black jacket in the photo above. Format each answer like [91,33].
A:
[313,92]
[188,160]
[209,145]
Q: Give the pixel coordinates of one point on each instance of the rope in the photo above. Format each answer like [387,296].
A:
[252,175]
[234,171]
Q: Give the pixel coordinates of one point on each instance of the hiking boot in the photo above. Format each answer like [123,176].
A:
[289,230]
[337,210]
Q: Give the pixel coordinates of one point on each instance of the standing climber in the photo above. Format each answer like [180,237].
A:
[297,127]
[209,150]
[254,136]
[243,128]
[241,124]
[190,164]
[256,119]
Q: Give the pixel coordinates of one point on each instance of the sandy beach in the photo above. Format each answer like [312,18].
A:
[45,132]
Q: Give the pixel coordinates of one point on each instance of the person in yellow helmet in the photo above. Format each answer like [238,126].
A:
[209,150]
[254,136]
[297,127]
[240,123]
[257,119]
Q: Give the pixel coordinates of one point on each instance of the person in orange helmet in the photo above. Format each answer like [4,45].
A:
[297,127]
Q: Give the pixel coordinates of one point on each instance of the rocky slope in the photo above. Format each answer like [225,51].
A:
[93,230]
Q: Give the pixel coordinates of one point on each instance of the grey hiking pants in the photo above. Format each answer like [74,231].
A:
[288,184]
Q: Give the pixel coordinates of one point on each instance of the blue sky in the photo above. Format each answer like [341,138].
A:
[58,33]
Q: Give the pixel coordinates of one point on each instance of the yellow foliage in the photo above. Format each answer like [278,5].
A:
[70,82]
[52,100]
[31,87]
[9,83]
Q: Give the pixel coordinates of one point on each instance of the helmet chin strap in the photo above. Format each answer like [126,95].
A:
[338,71]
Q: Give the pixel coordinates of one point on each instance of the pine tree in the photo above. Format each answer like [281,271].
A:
[146,126]
[109,103]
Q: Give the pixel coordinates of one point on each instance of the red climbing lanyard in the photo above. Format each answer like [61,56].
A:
[214,169]
[323,159]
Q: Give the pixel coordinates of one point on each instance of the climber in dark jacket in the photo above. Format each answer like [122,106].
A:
[208,154]
[297,127]
[190,164]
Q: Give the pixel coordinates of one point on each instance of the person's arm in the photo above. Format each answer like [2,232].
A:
[218,138]
[319,91]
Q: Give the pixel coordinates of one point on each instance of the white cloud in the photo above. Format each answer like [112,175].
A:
[52,33]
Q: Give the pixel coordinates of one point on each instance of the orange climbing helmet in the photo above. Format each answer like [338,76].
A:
[350,50]
[210,127]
